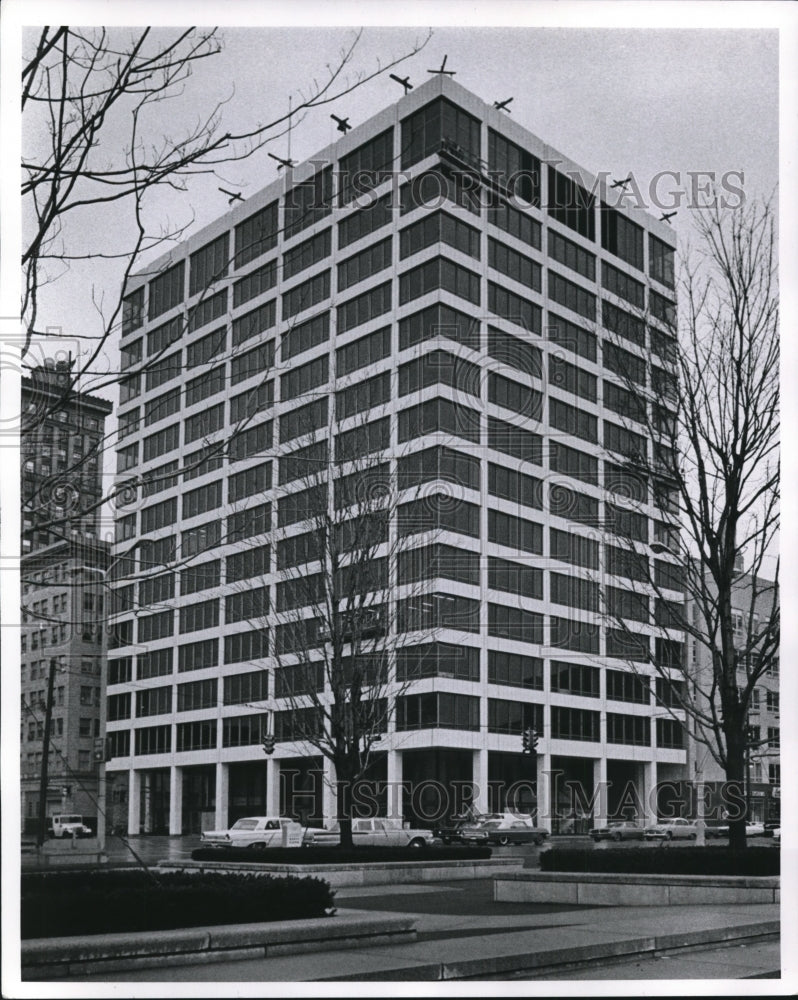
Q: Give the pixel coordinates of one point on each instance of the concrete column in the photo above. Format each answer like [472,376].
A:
[545,792]
[329,803]
[175,800]
[650,792]
[394,794]
[134,802]
[600,791]
[479,775]
[222,795]
[272,787]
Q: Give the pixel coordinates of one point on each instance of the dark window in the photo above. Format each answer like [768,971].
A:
[516,486]
[627,482]
[304,255]
[621,236]
[575,678]
[626,403]
[442,321]
[364,439]
[366,167]
[574,592]
[437,710]
[363,351]
[633,730]
[515,578]
[515,532]
[515,670]
[625,442]
[572,420]
[571,255]
[200,577]
[196,694]
[438,462]
[437,659]
[438,512]
[516,441]
[572,462]
[242,688]
[439,273]
[507,622]
[200,539]
[295,507]
[206,348]
[247,404]
[244,730]
[153,739]
[304,462]
[670,692]
[513,168]
[438,561]
[196,736]
[167,290]
[660,261]
[372,260]
[209,264]
[154,701]
[199,615]
[248,564]
[441,184]
[256,479]
[624,363]
[571,337]
[256,235]
[624,685]
[623,324]
[255,283]
[439,368]
[204,423]
[155,663]
[200,463]
[514,396]
[628,604]
[514,716]
[627,562]
[437,611]
[626,523]
[621,284]
[440,124]
[571,378]
[197,655]
[304,419]
[571,295]
[132,311]
[439,227]
[439,415]
[622,644]
[254,322]
[308,203]
[513,308]
[513,221]
[575,724]
[363,396]
[365,307]
[309,293]
[513,264]
[581,637]
[515,353]
[164,370]
[162,406]
[365,221]
[158,515]
[665,311]
[244,646]
[165,335]
[207,310]
[571,205]
[248,605]
[303,378]
[303,336]
[206,385]
[670,734]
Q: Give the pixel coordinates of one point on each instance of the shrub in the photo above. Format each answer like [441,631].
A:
[67,903]
[664,861]
[337,855]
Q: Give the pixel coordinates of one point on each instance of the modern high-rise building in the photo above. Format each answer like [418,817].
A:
[475,304]
[63,567]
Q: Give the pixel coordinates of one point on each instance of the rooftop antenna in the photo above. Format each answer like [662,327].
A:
[443,71]
[290,124]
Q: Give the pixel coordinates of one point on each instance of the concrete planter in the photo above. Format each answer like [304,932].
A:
[63,957]
[621,889]
[375,873]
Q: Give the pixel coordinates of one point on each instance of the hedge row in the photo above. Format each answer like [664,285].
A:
[337,855]
[682,861]
[73,903]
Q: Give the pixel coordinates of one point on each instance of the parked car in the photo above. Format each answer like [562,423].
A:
[514,829]
[259,832]
[771,825]
[617,830]
[671,829]
[777,834]
[751,830]
[69,825]
[378,832]
[449,830]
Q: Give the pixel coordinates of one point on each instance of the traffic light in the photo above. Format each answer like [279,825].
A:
[268,744]
[530,740]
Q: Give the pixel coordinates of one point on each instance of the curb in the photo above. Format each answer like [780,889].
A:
[561,958]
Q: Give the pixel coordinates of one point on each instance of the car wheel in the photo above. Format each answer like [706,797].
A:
[616,837]
[596,840]
[504,841]
[669,835]
[538,841]
[693,836]
[261,846]
[417,842]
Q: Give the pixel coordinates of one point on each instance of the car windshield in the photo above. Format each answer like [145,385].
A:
[491,824]
[70,819]
[245,824]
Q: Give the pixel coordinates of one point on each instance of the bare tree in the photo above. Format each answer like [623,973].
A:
[96,145]
[711,412]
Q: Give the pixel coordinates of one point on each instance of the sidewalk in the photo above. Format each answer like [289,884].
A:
[510,941]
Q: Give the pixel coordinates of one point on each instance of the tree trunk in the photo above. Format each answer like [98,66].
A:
[736,790]
[343,799]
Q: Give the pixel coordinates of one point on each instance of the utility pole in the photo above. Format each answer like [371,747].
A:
[48,717]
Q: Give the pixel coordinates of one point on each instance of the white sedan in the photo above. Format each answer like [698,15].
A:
[256,831]
[373,833]
[670,829]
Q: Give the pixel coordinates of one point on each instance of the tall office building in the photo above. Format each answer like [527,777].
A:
[477,316]
[63,591]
